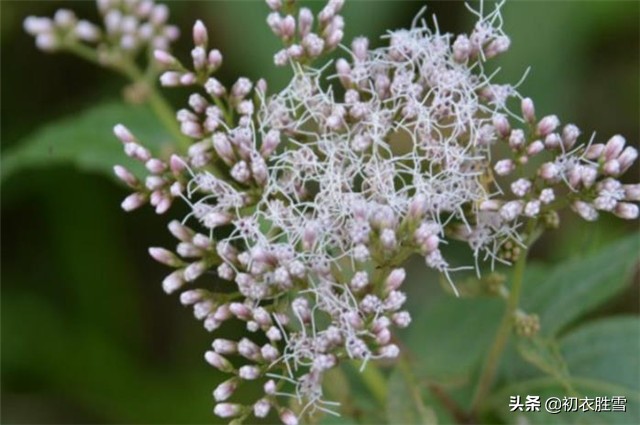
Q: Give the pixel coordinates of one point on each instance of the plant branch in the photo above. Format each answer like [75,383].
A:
[504,330]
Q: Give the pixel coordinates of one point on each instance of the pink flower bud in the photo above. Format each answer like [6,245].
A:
[249,373]
[225,389]
[461,48]
[287,27]
[154,182]
[627,158]
[305,22]
[133,201]
[288,417]
[528,110]
[165,256]
[227,410]
[214,59]
[123,134]
[516,139]
[360,47]
[180,231]
[570,134]
[155,166]
[217,361]
[194,270]
[547,125]
[87,31]
[344,71]
[611,167]
[626,211]
[632,192]
[390,351]
[200,35]
[170,79]
[173,282]
[499,45]
[614,147]
[176,164]
[240,310]
[588,175]
[395,279]
[418,206]
[504,167]
[548,171]
[535,148]
[261,408]
[585,210]
[126,176]
[214,87]
[269,353]
[164,58]
[35,26]
[192,296]
[188,79]
[594,151]
[552,141]
[501,123]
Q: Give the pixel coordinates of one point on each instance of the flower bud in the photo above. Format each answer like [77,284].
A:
[173,282]
[627,158]
[227,410]
[626,211]
[547,125]
[165,256]
[395,279]
[570,134]
[200,35]
[126,176]
[225,389]
[614,147]
[249,373]
[133,201]
[632,192]
[594,151]
[261,408]
[528,110]
[288,417]
[501,124]
[535,148]
[504,167]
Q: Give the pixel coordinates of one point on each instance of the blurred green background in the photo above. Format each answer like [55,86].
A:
[88,336]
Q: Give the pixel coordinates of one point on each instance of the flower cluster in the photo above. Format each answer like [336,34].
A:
[129,26]
[305,44]
[306,202]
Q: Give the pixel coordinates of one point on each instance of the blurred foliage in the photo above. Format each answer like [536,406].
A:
[89,337]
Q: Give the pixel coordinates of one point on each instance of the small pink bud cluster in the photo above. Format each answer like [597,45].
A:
[304,41]
[128,26]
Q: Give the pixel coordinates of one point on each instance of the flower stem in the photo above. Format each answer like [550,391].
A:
[504,330]
[156,101]
[374,380]
[414,387]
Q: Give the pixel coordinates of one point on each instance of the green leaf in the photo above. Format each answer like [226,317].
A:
[86,140]
[545,355]
[574,288]
[451,337]
[404,404]
[602,358]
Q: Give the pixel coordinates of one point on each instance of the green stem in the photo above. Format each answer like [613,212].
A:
[374,380]
[504,330]
[410,379]
[157,102]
